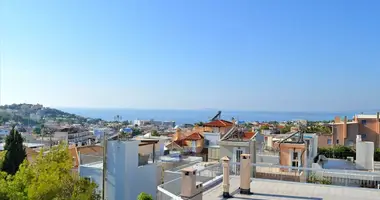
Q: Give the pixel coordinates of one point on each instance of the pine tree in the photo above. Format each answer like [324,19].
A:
[15,152]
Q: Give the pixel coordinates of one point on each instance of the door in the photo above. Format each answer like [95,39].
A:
[237,151]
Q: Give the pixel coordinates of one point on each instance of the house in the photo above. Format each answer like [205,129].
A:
[218,126]
[191,144]
[234,144]
[344,132]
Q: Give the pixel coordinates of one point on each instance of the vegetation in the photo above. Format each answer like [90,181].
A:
[199,124]
[313,178]
[342,152]
[264,127]
[21,113]
[48,178]
[339,152]
[285,129]
[155,133]
[136,131]
[144,196]
[318,129]
[15,152]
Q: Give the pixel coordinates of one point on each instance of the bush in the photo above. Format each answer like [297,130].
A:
[144,196]
[338,152]
[342,152]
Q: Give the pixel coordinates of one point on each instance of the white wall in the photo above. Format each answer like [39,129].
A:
[213,138]
[365,155]
[125,180]
[96,175]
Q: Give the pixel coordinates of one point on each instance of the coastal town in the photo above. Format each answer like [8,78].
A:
[156,157]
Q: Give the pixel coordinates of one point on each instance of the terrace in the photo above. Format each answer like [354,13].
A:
[272,182]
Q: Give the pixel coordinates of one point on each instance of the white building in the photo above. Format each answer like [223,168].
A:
[129,172]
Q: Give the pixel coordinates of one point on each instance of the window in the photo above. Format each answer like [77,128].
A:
[295,159]
[364,122]
[337,141]
[329,141]
[295,155]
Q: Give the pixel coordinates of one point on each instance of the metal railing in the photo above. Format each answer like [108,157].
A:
[350,178]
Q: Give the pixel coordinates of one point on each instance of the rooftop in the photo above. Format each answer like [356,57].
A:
[218,123]
[364,116]
[271,189]
[29,145]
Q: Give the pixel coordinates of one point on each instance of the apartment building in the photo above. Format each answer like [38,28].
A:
[344,132]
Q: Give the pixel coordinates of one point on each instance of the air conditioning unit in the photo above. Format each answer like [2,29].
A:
[350,159]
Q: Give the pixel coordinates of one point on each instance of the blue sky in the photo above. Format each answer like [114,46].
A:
[238,55]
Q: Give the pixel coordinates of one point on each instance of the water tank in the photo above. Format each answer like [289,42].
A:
[365,155]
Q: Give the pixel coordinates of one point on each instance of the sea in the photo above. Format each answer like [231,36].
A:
[194,116]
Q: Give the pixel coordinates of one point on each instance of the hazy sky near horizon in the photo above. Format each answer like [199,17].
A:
[266,55]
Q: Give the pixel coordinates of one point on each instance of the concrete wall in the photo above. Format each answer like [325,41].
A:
[370,129]
[125,179]
[95,175]
[213,154]
[212,138]
[268,159]
[352,132]
[322,140]
[286,148]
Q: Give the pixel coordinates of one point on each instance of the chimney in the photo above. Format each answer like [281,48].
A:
[245,174]
[337,119]
[226,177]
[190,189]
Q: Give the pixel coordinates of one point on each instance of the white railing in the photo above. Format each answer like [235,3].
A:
[352,178]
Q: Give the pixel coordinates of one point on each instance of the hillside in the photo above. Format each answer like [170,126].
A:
[35,113]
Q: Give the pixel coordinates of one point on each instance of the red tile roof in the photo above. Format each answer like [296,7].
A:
[218,123]
[248,135]
[194,136]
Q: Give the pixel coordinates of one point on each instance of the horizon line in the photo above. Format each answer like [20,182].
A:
[215,109]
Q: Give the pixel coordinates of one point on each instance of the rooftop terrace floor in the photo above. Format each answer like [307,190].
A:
[271,189]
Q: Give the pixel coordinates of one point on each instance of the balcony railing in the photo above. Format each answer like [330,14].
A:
[350,178]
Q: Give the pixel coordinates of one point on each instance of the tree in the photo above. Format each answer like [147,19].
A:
[144,196]
[264,127]
[199,124]
[136,131]
[48,178]
[155,133]
[285,129]
[15,154]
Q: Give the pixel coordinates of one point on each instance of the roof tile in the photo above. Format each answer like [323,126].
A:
[218,123]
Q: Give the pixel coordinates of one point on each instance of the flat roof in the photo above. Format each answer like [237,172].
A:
[273,189]
[30,145]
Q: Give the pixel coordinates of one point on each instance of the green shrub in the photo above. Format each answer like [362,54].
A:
[144,196]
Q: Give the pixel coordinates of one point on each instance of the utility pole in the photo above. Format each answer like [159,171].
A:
[104,166]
